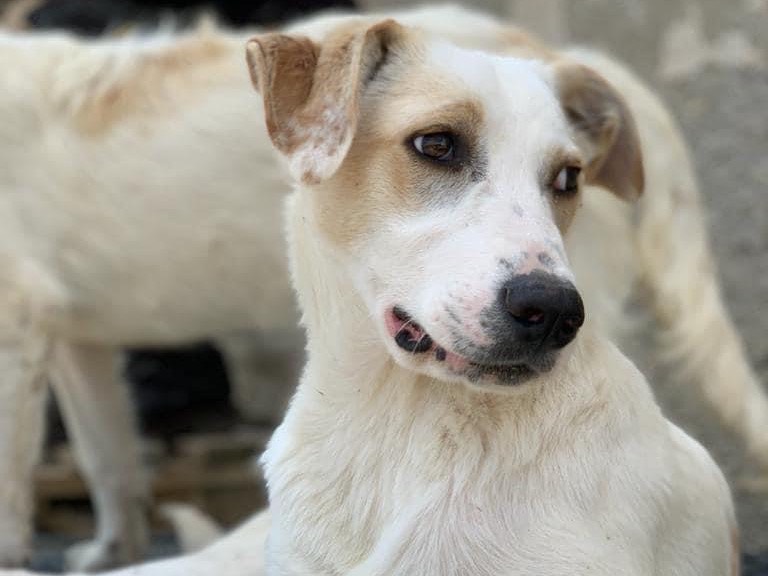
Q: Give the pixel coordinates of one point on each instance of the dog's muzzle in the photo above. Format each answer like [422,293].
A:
[533,316]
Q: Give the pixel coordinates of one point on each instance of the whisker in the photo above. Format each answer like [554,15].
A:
[404,326]
[418,344]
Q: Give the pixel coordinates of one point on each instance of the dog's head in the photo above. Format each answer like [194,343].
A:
[446,179]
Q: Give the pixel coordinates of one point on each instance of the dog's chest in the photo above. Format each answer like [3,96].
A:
[447,504]
[432,529]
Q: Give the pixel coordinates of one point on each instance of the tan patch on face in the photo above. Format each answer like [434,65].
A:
[564,210]
[365,189]
[564,206]
[383,176]
[182,68]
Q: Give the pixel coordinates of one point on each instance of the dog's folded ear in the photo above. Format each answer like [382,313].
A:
[311,91]
[604,129]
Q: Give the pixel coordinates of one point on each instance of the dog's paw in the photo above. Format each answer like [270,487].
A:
[97,555]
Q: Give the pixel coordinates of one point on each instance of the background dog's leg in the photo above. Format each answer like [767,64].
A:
[697,334]
[263,369]
[98,414]
[29,300]
[22,401]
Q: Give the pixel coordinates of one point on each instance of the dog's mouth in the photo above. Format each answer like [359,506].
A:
[411,337]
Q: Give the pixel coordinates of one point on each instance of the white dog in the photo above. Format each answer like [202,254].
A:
[139,206]
[450,419]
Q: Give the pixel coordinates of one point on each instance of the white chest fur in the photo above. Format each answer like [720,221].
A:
[399,475]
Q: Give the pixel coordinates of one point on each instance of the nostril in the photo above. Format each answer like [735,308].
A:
[528,315]
[570,323]
[525,310]
[573,323]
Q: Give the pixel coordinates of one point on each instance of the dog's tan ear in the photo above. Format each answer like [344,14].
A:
[604,129]
[311,92]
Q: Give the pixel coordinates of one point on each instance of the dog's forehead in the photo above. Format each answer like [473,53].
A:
[517,95]
[507,80]
[487,71]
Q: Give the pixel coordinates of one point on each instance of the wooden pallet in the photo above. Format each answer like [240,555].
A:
[213,471]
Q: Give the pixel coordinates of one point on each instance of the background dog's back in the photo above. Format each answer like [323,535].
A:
[135,176]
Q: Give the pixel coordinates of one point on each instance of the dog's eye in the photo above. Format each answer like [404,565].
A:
[438,146]
[567,180]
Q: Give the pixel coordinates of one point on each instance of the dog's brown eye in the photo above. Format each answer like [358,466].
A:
[567,180]
[437,146]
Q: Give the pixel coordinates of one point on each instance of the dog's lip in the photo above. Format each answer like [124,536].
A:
[411,337]
[408,334]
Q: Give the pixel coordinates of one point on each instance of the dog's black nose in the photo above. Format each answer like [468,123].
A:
[544,311]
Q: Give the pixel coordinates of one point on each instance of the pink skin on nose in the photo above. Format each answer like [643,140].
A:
[537,257]
[396,325]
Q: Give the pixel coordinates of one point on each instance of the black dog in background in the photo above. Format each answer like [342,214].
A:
[96,17]
[181,389]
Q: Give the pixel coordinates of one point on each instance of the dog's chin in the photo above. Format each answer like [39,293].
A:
[496,379]
[414,349]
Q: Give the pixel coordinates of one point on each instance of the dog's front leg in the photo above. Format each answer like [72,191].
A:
[99,418]
[22,400]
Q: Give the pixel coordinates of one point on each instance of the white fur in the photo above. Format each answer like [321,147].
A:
[166,229]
